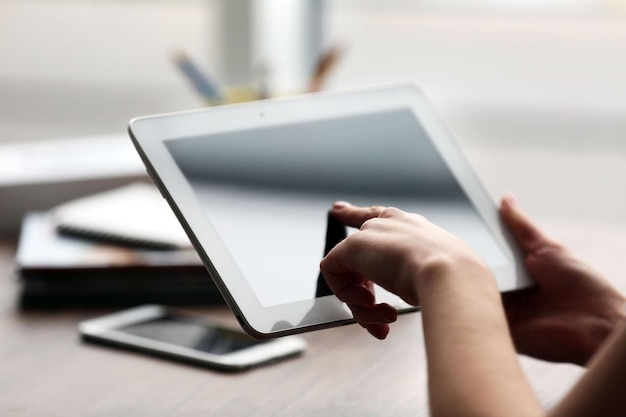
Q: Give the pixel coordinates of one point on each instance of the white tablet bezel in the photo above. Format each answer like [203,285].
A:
[150,134]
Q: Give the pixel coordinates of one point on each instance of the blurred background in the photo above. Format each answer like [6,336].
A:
[533,90]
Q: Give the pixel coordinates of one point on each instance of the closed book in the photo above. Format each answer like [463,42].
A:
[57,269]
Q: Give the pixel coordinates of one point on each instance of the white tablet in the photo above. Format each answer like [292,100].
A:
[252,185]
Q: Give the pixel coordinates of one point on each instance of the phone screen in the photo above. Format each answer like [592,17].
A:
[195,335]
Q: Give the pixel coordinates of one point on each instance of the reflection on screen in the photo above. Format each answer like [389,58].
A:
[191,334]
[267,192]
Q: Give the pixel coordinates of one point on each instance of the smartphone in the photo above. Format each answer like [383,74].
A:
[174,334]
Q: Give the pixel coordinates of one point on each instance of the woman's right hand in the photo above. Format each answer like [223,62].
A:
[396,250]
[572,309]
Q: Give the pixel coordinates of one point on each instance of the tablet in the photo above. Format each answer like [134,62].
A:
[252,184]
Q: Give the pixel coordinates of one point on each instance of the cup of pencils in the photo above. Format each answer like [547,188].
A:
[215,95]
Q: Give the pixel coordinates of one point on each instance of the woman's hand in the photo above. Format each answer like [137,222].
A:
[395,250]
[571,310]
[465,329]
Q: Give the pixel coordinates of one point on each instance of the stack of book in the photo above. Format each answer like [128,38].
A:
[122,247]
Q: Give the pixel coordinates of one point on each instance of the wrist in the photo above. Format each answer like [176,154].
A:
[458,271]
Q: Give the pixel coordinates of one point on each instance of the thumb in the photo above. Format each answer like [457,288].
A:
[526,232]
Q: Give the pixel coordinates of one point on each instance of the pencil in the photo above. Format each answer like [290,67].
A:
[201,82]
[324,67]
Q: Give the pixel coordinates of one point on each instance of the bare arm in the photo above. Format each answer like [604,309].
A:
[573,314]
[602,390]
[472,364]
[473,368]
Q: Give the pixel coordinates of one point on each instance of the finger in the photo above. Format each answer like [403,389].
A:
[374,314]
[379,331]
[344,273]
[526,233]
[389,212]
[356,294]
[354,216]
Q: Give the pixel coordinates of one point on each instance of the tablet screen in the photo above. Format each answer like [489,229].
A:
[267,192]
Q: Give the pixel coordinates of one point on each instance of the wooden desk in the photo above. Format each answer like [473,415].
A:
[45,370]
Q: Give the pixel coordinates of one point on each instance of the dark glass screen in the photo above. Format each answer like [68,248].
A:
[191,334]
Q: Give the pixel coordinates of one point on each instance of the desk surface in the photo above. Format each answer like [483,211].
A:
[45,370]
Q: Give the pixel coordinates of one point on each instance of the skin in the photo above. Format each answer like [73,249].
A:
[571,311]
[565,318]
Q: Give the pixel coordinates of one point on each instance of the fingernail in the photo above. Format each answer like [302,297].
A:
[338,205]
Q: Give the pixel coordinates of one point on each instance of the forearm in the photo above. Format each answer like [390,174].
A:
[473,368]
[600,392]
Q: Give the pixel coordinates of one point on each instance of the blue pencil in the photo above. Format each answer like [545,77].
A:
[201,82]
